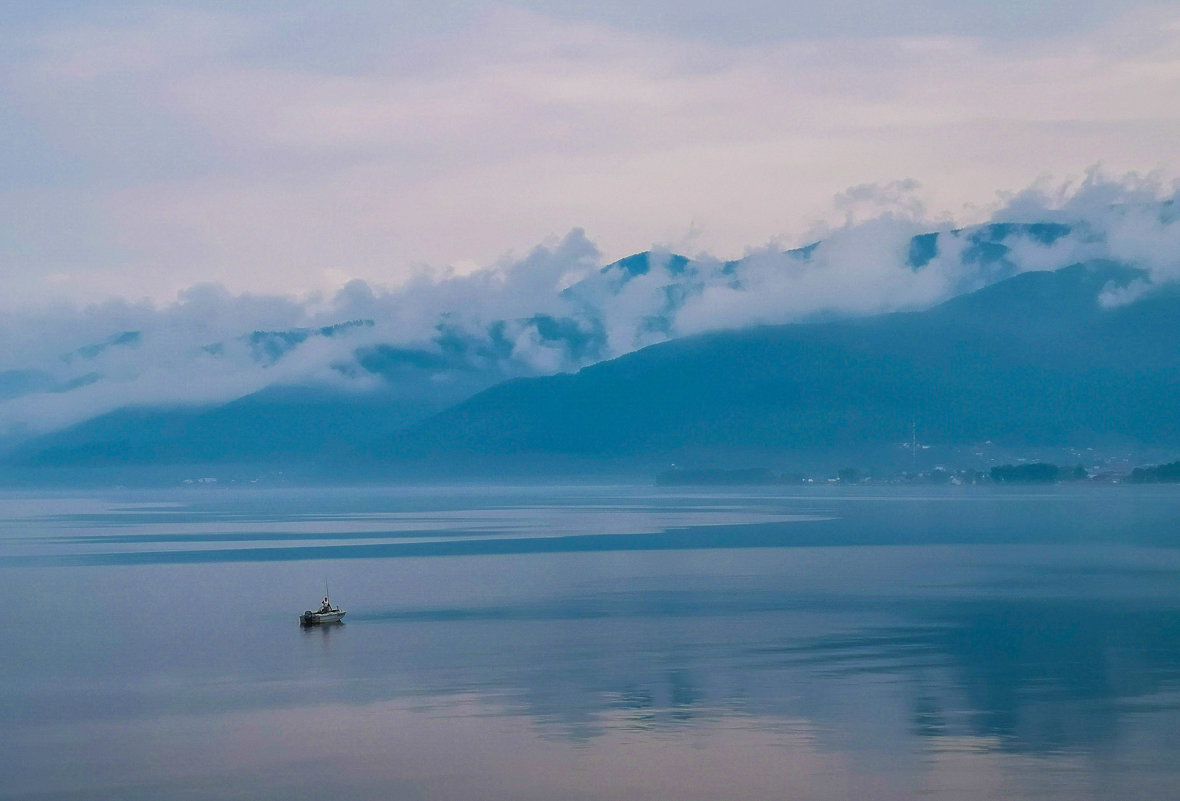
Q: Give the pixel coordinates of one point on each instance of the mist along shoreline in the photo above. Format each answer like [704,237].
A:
[1020,473]
[698,473]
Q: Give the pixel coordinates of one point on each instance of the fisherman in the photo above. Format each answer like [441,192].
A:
[326,607]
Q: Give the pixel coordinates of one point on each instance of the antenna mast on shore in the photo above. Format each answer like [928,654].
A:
[914,446]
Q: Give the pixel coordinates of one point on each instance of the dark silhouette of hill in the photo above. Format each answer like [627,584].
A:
[276,425]
[1034,359]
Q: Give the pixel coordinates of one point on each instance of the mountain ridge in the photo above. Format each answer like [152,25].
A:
[1078,371]
[1048,336]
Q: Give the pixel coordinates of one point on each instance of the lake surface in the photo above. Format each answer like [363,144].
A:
[592,643]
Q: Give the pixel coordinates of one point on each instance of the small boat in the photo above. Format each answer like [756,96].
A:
[326,614]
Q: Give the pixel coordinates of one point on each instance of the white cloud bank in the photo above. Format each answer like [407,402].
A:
[195,174]
[443,333]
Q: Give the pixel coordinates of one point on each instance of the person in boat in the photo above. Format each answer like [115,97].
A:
[325,606]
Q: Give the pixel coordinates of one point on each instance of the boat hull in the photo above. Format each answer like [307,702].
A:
[318,618]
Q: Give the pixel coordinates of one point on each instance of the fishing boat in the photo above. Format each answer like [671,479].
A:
[325,614]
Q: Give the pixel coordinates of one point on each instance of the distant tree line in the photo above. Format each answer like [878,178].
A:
[1156,474]
[1031,473]
[1035,473]
[1027,473]
[749,475]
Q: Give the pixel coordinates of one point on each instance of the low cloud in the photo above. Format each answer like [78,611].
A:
[444,334]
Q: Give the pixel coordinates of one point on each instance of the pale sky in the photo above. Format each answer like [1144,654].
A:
[289,147]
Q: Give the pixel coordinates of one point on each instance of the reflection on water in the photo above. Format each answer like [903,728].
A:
[821,645]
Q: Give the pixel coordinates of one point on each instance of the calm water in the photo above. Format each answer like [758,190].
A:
[592,643]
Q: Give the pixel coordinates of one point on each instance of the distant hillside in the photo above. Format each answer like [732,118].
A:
[278,425]
[1033,359]
[467,334]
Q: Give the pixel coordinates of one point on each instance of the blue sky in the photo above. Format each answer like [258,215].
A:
[286,148]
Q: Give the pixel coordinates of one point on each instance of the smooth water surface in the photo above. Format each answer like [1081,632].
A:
[592,643]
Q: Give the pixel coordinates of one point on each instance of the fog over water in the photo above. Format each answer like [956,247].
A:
[592,642]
